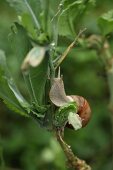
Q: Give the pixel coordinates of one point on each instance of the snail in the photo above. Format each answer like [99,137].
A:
[84,110]
[59,98]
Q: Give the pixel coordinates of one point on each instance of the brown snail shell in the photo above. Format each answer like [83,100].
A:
[84,110]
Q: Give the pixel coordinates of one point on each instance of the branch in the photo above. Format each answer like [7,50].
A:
[63,56]
[72,160]
[104,52]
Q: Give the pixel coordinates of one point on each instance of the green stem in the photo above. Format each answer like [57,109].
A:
[33,92]
[52,76]
[52,69]
[32,14]
[55,21]
[47,3]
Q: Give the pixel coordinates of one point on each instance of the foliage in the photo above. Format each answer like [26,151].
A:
[31,41]
[7,86]
[106,23]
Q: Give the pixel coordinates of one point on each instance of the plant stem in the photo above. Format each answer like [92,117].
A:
[32,14]
[55,21]
[109,70]
[52,69]
[105,53]
[63,56]
[73,161]
[46,14]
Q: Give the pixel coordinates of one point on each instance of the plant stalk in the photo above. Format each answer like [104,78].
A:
[63,56]
[32,14]
[73,161]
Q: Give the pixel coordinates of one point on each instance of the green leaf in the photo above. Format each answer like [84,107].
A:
[17,94]
[105,23]
[26,21]
[71,14]
[61,115]
[40,109]
[8,91]
[19,5]
[31,7]
[20,45]
[36,80]
[75,120]
[68,16]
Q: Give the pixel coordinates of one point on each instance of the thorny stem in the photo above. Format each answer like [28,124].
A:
[68,49]
[72,160]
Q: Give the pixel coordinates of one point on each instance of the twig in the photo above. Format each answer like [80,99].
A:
[68,49]
[56,14]
[72,160]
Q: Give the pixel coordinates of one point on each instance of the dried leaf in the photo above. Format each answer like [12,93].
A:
[34,57]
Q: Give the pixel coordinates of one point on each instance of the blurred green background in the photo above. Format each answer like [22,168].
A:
[24,145]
